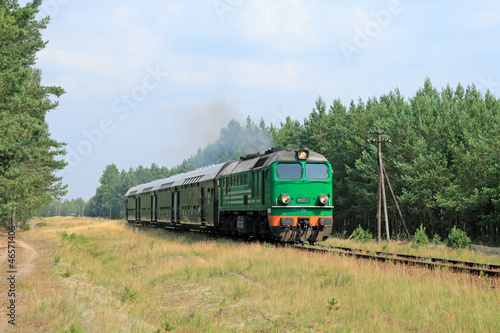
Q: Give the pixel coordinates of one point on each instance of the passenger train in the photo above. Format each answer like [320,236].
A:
[282,195]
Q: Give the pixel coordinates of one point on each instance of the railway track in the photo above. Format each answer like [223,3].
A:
[468,267]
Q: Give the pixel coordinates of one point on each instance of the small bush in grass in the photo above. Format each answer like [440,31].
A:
[336,234]
[403,237]
[361,235]
[437,239]
[68,273]
[458,239]
[73,328]
[128,295]
[420,238]
[333,304]
[74,238]
[166,327]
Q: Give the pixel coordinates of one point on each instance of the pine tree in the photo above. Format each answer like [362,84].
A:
[27,153]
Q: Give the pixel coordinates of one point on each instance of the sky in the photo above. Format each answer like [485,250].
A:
[152,81]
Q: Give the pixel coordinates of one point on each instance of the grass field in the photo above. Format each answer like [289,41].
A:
[94,275]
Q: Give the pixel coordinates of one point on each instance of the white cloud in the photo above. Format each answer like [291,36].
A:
[283,25]
[266,76]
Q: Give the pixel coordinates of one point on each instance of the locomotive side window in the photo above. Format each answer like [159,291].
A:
[316,171]
[289,171]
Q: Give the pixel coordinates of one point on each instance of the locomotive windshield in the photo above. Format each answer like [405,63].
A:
[316,171]
[289,171]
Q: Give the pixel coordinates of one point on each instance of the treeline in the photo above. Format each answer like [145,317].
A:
[443,161]
[73,207]
[108,199]
[27,153]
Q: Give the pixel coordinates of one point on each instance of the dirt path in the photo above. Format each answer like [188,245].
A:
[29,254]
[25,264]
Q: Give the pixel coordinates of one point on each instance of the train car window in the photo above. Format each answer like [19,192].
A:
[316,171]
[289,171]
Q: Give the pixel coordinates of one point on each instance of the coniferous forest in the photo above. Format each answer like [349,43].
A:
[443,160]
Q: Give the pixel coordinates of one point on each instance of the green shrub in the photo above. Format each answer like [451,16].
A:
[385,247]
[106,258]
[166,326]
[403,237]
[73,328]
[68,273]
[128,295]
[437,239]
[74,238]
[361,235]
[458,239]
[420,238]
[333,304]
[25,225]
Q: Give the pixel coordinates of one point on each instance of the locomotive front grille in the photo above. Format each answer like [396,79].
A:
[304,223]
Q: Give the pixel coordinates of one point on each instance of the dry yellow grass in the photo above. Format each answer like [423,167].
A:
[102,276]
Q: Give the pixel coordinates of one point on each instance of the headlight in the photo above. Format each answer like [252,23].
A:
[323,199]
[285,199]
[303,155]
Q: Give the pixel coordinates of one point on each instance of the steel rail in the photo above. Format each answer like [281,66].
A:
[468,267]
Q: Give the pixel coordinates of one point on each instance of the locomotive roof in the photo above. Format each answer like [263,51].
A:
[266,158]
[195,176]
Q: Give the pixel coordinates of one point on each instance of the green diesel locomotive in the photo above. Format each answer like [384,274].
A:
[280,194]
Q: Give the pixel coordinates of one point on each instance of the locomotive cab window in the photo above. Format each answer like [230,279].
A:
[316,171]
[289,171]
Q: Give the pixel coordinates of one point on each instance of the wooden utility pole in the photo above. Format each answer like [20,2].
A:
[396,202]
[381,187]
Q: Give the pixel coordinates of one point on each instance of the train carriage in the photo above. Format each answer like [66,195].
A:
[280,194]
[184,200]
